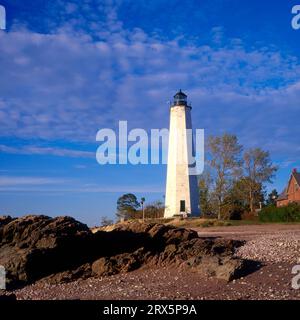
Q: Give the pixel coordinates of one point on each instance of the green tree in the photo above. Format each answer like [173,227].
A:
[225,153]
[258,169]
[205,194]
[239,195]
[155,210]
[127,206]
[105,221]
[271,200]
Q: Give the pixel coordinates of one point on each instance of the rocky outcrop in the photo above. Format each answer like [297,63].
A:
[5,220]
[63,249]
[32,247]
[172,246]
[82,272]
[120,263]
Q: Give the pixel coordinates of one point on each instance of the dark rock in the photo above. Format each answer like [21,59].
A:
[82,272]
[5,220]
[156,236]
[209,257]
[134,226]
[169,245]
[226,246]
[118,241]
[63,249]
[121,263]
[230,268]
[224,268]
[171,235]
[36,246]
[41,231]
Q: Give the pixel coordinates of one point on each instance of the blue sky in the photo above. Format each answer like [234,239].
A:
[70,68]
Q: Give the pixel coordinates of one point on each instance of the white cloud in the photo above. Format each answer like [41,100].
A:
[70,83]
[35,150]
[14,181]
[57,185]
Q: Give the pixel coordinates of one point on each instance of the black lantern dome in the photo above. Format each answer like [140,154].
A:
[180,99]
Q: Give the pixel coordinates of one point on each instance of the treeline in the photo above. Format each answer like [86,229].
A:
[234,179]
[128,207]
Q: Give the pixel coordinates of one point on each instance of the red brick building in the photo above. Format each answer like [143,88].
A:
[292,192]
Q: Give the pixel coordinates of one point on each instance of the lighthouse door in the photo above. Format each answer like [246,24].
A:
[182,205]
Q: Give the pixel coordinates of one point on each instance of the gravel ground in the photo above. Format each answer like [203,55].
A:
[273,248]
[265,243]
[276,247]
[270,282]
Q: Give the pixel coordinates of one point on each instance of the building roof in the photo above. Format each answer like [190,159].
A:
[297,177]
[283,196]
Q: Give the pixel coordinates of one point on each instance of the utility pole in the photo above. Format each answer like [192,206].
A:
[143,209]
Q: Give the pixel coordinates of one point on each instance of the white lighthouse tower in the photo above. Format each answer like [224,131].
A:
[182,196]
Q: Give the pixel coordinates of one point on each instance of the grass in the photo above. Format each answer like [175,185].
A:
[207,223]
[202,223]
[245,222]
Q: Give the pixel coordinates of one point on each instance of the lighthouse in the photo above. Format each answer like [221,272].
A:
[182,195]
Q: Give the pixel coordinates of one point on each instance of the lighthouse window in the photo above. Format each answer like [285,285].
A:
[182,205]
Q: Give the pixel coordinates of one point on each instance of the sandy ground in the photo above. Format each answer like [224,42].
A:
[247,232]
[276,247]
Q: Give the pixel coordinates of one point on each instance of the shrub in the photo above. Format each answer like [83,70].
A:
[289,213]
[215,223]
[106,221]
[250,216]
[207,223]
